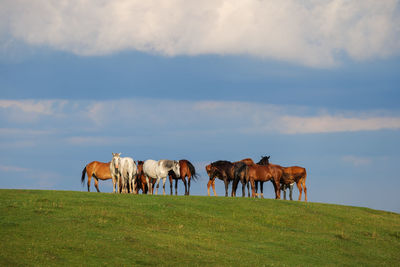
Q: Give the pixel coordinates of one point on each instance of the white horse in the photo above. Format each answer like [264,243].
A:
[114,169]
[128,175]
[159,169]
[124,171]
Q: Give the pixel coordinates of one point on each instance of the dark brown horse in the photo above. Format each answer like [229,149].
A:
[186,170]
[294,174]
[99,170]
[141,179]
[223,170]
[240,175]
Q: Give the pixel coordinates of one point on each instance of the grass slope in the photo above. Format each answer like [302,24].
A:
[77,228]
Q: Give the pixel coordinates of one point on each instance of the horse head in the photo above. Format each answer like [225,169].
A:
[115,160]
[139,165]
[176,168]
[208,169]
[264,160]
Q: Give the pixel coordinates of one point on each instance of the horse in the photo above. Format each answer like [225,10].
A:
[284,187]
[141,178]
[293,174]
[264,173]
[99,170]
[186,170]
[223,170]
[159,170]
[128,174]
[239,175]
[114,170]
[123,172]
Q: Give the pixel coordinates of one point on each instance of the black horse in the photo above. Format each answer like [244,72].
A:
[223,170]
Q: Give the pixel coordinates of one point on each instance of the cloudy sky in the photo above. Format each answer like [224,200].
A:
[312,83]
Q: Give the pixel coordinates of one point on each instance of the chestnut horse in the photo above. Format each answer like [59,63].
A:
[264,173]
[186,170]
[294,174]
[223,170]
[141,179]
[99,170]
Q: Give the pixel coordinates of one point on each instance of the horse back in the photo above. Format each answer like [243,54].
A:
[150,168]
[295,173]
[259,172]
[100,169]
[128,165]
[247,161]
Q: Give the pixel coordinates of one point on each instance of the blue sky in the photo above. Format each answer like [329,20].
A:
[310,83]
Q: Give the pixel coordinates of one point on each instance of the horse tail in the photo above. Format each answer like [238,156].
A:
[192,170]
[83,175]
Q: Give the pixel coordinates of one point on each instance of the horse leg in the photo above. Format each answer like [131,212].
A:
[291,191]
[184,182]
[226,186]
[158,185]
[89,177]
[170,183]
[300,190]
[176,187]
[253,188]
[305,190]
[262,189]
[96,184]
[234,186]
[213,187]
[149,185]
[277,187]
[188,190]
[135,185]
[163,185]
[243,189]
[284,192]
[119,182]
[256,187]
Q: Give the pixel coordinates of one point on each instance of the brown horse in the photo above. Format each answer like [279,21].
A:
[239,175]
[186,170]
[264,173]
[99,170]
[223,170]
[141,179]
[298,175]
[294,174]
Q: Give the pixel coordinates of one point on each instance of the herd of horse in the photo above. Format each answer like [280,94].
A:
[129,176]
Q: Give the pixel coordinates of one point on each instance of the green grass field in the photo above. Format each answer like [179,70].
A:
[77,228]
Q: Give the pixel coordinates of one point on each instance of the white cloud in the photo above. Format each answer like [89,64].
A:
[309,32]
[30,110]
[357,161]
[329,124]
[87,122]
[6,168]
[29,106]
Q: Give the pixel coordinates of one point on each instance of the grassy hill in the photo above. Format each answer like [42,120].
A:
[78,228]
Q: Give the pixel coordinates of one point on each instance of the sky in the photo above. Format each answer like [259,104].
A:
[312,83]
